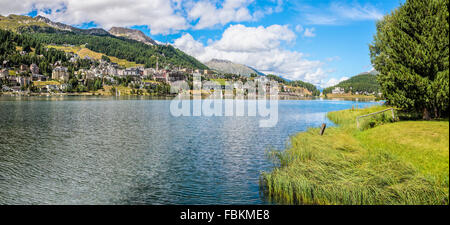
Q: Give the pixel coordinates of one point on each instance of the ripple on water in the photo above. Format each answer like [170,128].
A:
[105,151]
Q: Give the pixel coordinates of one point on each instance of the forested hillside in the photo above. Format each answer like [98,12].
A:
[119,47]
[11,42]
[297,83]
[366,82]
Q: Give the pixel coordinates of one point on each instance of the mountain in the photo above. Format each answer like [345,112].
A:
[21,24]
[295,83]
[363,82]
[47,32]
[132,34]
[225,66]
[61,26]
[16,22]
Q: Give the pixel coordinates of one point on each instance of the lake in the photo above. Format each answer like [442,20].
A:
[98,150]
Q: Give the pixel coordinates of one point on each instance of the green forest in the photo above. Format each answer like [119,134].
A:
[41,56]
[119,47]
[360,83]
[298,83]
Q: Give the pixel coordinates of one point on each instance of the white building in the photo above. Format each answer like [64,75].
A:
[338,90]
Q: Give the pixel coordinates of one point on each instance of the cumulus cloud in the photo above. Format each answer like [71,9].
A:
[240,38]
[332,82]
[305,32]
[299,28]
[309,32]
[159,15]
[209,15]
[260,48]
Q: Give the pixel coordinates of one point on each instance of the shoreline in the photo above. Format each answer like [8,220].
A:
[381,164]
[90,94]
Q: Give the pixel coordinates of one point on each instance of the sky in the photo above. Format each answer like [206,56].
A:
[317,41]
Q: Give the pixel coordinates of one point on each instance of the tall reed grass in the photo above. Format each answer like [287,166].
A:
[388,164]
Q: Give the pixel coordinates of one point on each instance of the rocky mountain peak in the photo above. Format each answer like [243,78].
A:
[226,66]
[133,34]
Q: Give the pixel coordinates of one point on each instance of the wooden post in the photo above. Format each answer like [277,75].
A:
[322,130]
[393,114]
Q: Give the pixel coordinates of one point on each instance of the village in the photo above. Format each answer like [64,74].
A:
[110,78]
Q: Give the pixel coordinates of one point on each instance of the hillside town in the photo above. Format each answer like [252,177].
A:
[112,79]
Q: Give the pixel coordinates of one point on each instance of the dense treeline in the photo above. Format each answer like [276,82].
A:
[17,49]
[122,48]
[360,83]
[40,55]
[298,83]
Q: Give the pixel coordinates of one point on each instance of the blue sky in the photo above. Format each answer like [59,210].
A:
[320,41]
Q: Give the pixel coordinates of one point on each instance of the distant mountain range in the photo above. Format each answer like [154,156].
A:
[225,66]
[20,23]
[363,82]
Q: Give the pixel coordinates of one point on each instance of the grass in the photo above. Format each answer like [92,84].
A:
[124,91]
[14,22]
[404,162]
[351,96]
[220,81]
[44,83]
[82,51]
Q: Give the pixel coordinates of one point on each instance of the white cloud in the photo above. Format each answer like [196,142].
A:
[309,32]
[306,32]
[332,59]
[209,15]
[24,6]
[240,38]
[356,11]
[260,48]
[332,82]
[159,15]
[339,13]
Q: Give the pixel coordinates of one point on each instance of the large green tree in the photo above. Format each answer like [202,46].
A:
[411,52]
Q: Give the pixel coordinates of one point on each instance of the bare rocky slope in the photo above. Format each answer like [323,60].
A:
[132,34]
[225,66]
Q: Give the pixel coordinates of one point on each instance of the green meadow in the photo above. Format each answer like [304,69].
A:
[382,162]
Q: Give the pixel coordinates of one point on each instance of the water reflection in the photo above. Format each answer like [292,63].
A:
[94,150]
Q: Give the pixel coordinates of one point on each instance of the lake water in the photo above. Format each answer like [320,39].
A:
[88,150]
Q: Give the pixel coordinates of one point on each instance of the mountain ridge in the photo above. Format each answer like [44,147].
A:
[226,66]
[62,26]
[99,40]
[132,34]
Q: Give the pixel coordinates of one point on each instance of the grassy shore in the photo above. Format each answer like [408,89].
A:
[404,162]
[350,96]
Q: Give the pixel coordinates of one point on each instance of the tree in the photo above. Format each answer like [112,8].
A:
[106,58]
[411,52]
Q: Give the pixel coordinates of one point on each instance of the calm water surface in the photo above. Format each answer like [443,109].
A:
[75,150]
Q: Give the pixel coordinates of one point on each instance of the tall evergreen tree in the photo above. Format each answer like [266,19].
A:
[411,52]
